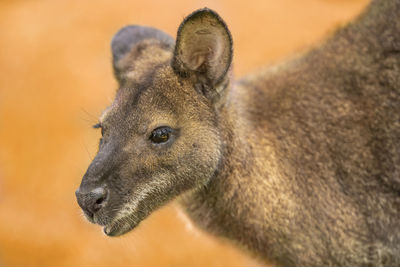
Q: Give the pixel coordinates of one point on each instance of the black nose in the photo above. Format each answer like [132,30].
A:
[91,201]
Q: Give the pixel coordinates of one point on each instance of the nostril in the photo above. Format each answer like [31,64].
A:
[92,201]
[99,195]
[100,200]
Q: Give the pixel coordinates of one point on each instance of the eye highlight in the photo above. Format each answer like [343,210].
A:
[160,135]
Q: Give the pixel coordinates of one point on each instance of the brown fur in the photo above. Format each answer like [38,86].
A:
[298,163]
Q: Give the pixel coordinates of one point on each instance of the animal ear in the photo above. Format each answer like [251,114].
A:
[203,47]
[128,37]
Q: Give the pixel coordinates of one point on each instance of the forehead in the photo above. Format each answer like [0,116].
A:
[154,97]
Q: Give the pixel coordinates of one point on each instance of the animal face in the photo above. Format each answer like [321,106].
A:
[161,135]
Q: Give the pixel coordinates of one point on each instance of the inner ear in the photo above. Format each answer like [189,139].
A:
[203,47]
[128,37]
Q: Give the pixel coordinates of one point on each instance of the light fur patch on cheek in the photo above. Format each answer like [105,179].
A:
[131,207]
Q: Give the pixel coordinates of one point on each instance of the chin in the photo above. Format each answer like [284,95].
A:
[120,226]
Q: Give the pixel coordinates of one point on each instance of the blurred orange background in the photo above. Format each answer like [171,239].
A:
[56,78]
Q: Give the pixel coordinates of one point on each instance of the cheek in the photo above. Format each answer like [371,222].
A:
[198,157]
[192,159]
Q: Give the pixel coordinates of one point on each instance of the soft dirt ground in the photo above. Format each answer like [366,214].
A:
[56,78]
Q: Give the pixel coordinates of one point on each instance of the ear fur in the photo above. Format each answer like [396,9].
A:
[203,48]
[128,37]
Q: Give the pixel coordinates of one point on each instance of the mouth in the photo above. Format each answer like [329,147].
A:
[120,227]
[114,228]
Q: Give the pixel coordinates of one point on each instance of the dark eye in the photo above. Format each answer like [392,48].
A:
[160,135]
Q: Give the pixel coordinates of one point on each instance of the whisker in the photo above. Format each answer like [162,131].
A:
[92,118]
[87,151]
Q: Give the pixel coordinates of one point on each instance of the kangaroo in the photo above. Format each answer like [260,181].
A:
[298,163]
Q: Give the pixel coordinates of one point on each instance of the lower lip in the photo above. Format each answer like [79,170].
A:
[113,230]
[108,231]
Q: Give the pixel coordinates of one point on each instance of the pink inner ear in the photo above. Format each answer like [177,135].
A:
[206,47]
[218,48]
[196,59]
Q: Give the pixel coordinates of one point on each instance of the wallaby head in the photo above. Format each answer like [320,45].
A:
[161,135]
